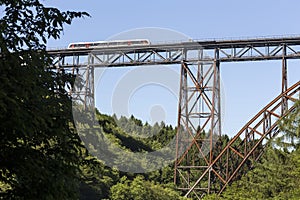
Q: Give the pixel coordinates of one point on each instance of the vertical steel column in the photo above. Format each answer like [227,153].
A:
[284,84]
[183,77]
[216,109]
[217,63]
[216,122]
[89,102]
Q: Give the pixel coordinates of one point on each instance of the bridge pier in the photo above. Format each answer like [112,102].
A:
[199,122]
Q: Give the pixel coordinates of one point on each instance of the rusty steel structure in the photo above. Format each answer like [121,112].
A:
[246,147]
[199,164]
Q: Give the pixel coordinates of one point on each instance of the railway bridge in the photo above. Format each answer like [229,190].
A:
[198,170]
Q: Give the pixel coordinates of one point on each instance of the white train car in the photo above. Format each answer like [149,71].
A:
[112,43]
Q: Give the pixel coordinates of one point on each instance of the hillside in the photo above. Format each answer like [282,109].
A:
[275,176]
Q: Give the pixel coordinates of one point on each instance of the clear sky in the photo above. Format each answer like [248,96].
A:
[248,86]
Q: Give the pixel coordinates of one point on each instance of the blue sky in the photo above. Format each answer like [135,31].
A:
[248,86]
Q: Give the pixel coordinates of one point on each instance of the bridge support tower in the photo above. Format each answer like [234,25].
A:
[199,123]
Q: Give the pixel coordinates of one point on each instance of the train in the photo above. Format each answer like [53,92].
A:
[111,43]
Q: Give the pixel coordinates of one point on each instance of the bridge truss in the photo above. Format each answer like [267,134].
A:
[197,167]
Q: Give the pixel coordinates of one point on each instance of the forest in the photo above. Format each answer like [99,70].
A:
[42,155]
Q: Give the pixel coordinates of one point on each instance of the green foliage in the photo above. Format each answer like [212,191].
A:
[275,178]
[119,136]
[213,197]
[156,136]
[109,130]
[40,153]
[290,125]
[96,179]
[27,24]
[139,189]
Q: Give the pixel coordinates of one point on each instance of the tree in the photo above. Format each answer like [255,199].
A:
[139,189]
[276,177]
[39,151]
[290,125]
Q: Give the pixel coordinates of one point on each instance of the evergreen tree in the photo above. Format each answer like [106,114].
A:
[139,189]
[290,125]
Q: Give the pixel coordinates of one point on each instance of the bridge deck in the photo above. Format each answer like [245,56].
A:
[190,51]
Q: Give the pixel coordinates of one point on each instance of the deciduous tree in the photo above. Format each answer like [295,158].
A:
[39,150]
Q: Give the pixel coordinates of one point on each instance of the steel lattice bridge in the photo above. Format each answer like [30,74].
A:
[198,168]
